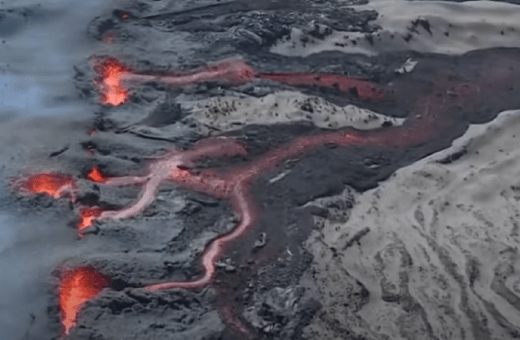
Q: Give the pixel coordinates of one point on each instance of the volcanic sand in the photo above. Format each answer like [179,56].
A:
[436,246]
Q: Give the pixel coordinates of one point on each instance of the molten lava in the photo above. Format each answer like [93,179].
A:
[77,286]
[52,184]
[428,116]
[359,87]
[230,72]
[95,175]
[111,73]
[87,216]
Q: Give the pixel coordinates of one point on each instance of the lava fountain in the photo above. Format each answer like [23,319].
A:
[111,74]
[76,287]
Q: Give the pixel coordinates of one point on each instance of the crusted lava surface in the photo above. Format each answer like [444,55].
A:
[256,291]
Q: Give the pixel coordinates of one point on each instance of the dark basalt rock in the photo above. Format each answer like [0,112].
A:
[262,276]
[262,284]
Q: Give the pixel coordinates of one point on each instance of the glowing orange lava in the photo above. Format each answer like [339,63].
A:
[113,93]
[95,175]
[53,184]
[76,287]
[87,216]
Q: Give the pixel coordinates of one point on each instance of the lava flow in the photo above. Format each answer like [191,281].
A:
[430,114]
[76,287]
[228,72]
[53,184]
[113,76]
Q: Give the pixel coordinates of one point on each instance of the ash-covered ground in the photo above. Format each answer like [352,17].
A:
[343,249]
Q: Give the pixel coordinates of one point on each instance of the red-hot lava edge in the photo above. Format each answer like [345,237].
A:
[233,185]
[77,286]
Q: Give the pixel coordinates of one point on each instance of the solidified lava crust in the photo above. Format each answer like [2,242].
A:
[235,183]
[207,239]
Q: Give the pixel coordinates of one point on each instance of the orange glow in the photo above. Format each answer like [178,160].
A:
[77,286]
[95,175]
[113,92]
[87,216]
[52,184]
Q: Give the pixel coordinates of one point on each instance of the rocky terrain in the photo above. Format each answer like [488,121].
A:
[362,242]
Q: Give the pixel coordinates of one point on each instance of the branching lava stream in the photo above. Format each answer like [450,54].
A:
[430,115]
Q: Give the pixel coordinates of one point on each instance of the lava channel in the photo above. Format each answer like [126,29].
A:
[114,76]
